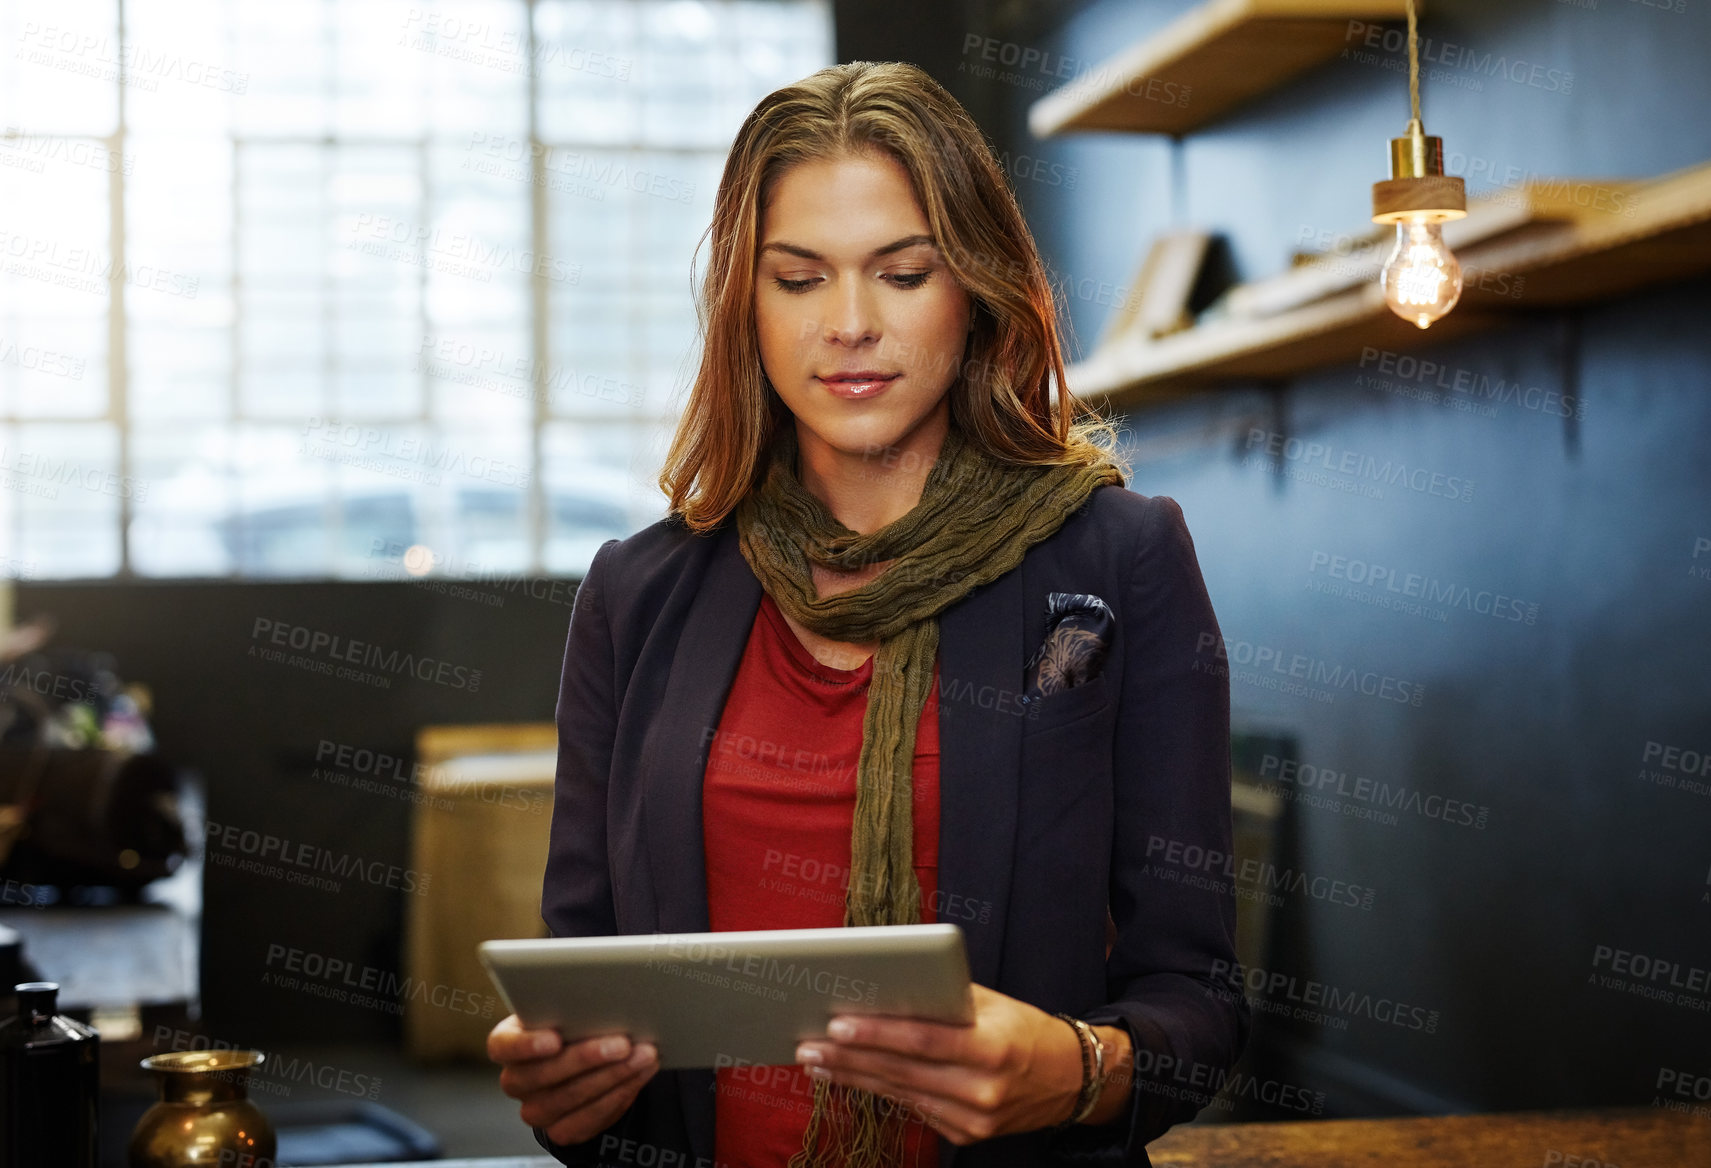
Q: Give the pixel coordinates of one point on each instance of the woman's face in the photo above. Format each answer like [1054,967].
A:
[849,281]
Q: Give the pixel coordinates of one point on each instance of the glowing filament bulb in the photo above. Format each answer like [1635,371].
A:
[1422,279]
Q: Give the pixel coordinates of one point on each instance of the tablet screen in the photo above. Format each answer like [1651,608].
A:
[732,998]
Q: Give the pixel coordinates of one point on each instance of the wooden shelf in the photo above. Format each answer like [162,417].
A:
[1206,63]
[1548,245]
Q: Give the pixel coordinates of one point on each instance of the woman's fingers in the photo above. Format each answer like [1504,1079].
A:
[949,1080]
[592,1102]
[570,1090]
[508,1042]
[522,1079]
[998,1075]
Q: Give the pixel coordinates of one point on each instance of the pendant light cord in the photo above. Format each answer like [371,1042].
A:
[1413,63]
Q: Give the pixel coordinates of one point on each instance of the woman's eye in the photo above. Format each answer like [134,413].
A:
[902,280]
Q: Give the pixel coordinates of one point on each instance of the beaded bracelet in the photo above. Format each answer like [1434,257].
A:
[1092,1070]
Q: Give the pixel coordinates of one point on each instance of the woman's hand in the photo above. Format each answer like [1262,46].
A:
[573,1092]
[1016,1069]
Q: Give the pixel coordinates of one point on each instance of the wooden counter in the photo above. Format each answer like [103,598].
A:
[1641,1137]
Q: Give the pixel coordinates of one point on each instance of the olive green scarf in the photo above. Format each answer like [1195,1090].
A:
[976,519]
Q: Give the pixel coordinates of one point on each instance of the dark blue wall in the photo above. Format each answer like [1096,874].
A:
[1541,715]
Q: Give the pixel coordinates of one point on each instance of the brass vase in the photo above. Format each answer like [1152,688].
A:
[204,1118]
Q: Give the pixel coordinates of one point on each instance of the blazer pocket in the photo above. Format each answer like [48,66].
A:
[1065,706]
[1071,655]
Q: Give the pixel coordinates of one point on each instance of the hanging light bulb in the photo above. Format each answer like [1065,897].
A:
[1421,279]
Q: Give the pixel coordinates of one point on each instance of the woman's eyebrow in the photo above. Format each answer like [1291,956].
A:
[810,254]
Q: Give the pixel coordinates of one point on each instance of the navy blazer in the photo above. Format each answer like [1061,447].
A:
[1050,810]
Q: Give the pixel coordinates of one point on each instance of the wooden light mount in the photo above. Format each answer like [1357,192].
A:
[1417,187]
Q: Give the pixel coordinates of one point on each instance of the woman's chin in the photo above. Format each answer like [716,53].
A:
[880,449]
[875,436]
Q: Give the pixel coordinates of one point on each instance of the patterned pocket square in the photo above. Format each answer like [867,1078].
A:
[1078,631]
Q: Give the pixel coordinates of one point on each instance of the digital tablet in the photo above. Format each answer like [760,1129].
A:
[732,998]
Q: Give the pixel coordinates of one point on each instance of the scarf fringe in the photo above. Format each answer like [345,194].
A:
[864,1130]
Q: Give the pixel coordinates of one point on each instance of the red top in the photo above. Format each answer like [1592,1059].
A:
[777,807]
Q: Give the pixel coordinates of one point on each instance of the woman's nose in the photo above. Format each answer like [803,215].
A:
[851,314]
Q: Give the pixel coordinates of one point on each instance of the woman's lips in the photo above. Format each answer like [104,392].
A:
[858,387]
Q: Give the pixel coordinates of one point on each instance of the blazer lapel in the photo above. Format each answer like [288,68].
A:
[981,650]
[703,668]
[980,760]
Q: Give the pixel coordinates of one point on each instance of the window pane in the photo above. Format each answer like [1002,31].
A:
[178,223]
[462,66]
[282,51]
[62,66]
[65,485]
[340,323]
[190,79]
[599,485]
[593,103]
[286,516]
[475,516]
[182,526]
[55,268]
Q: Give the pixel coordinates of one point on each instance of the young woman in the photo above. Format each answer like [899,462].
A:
[905,649]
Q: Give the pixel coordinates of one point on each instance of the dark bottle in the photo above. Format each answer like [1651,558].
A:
[11,972]
[49,1072]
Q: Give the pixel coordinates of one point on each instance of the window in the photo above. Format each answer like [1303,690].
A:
[356,287]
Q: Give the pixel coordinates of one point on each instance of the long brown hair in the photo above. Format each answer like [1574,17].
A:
[1002,397]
